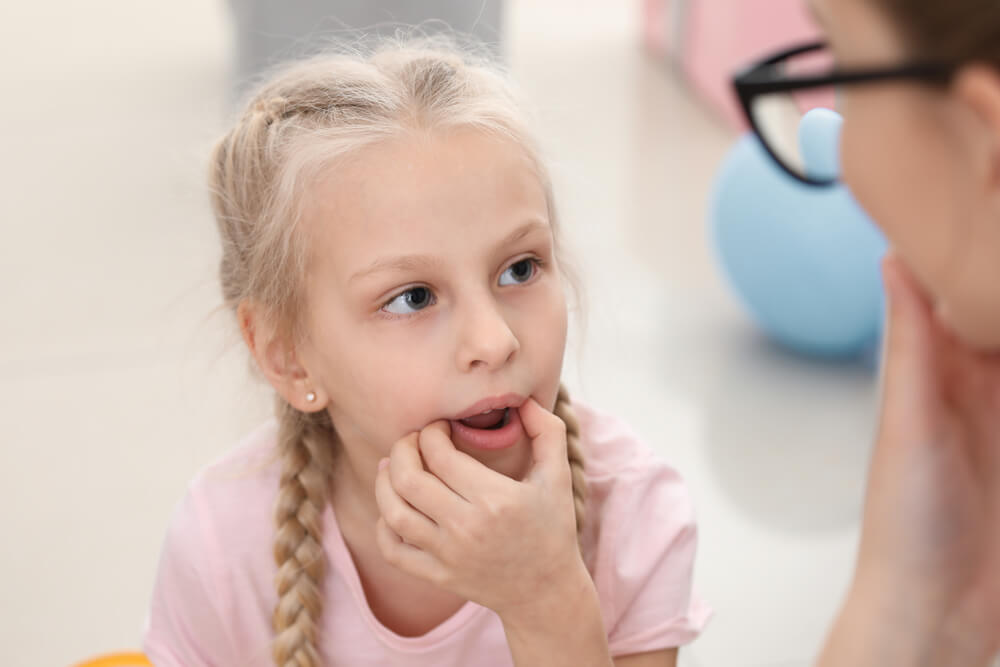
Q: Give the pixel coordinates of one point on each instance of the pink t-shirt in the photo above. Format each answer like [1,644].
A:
[214,594]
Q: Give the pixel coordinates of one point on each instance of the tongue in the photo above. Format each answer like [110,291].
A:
[488,420]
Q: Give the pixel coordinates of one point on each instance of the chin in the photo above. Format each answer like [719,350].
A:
[976,330]
[982,336]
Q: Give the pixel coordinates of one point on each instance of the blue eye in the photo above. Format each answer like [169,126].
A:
[519,272]
[410,301]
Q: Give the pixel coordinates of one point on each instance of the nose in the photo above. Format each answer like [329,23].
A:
[485,338]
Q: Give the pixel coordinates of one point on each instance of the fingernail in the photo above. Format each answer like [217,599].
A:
[383,463]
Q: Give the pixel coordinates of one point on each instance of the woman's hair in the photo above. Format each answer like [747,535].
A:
[948,30]
[306,118]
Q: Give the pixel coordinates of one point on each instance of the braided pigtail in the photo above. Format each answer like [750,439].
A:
[305,442]
[564,410]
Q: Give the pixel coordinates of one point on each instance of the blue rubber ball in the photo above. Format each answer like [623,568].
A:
[803,260]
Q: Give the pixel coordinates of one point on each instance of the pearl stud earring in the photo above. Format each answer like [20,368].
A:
[311,396]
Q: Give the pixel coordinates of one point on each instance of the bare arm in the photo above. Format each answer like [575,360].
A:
[926,580]
[570,632]
[874,629]
[564,628]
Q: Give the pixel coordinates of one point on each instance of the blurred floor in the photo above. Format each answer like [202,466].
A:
[117,381]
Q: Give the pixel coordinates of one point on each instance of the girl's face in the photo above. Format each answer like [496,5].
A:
[433,286]
[925,163]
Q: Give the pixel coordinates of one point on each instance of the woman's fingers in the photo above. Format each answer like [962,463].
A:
[909,372]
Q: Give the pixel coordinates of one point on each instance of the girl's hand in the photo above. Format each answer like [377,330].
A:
[928,571]
[507,545]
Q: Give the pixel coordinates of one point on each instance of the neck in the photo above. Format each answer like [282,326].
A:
[353,490]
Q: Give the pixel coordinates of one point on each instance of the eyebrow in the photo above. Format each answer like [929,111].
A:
[405,263]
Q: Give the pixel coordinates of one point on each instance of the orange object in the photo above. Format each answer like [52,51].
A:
[117,660]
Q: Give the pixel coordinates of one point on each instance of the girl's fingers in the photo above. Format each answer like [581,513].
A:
[463,474]
[405,521]
[548,438]
[407,557]
[419,488]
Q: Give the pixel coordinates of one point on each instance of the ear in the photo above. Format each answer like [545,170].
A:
[278,361]
[977,86]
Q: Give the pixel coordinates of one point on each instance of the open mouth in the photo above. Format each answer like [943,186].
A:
[489,421]
[491,428]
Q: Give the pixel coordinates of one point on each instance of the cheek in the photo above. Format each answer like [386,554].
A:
[901,172]
[542,330]
[370,374]
[401,369]
[868,159]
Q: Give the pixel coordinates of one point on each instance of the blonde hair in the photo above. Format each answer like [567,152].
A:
[305,118]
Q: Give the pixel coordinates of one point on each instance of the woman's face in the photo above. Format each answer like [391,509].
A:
[925,163]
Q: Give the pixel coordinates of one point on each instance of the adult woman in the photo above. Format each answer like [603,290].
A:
[919,88]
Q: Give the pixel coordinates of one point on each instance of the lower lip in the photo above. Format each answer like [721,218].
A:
[501,438]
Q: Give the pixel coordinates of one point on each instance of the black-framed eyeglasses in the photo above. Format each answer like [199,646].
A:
[778,91]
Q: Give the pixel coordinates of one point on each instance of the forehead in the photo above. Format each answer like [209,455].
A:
[419,190]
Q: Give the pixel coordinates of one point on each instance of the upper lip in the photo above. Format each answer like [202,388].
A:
[492,403]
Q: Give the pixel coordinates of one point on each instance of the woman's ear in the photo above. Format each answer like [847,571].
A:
[977,87]
[277,360]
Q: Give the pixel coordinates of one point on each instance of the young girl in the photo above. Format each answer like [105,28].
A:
[428,494]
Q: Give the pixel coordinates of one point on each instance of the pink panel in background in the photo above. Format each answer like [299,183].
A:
[655,29]
[712,39]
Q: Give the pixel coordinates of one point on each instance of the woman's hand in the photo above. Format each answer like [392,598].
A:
[507,545]
[927,583]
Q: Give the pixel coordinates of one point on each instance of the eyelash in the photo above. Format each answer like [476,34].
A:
[538,263]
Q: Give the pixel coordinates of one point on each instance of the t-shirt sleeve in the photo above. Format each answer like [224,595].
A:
[185,625]
[648,544]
